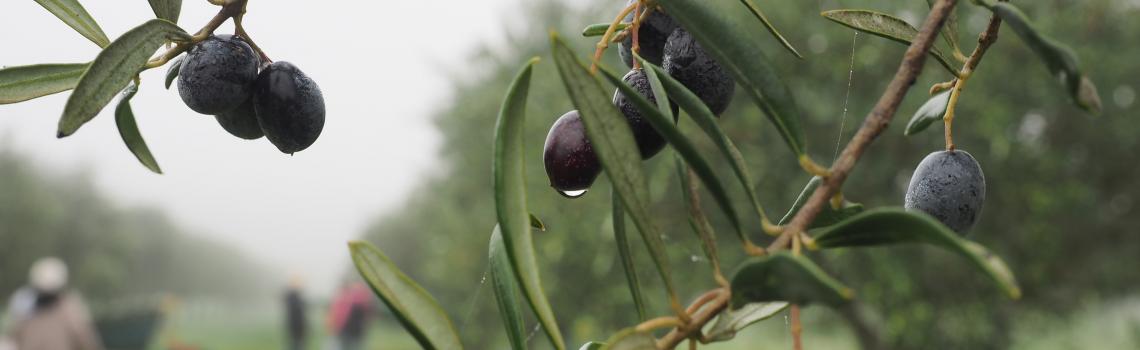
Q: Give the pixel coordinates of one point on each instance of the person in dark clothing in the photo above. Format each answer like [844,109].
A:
[296,326]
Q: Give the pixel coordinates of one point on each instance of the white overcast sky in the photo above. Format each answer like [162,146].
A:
[381,65]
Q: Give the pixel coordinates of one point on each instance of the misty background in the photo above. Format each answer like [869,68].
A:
[412,91]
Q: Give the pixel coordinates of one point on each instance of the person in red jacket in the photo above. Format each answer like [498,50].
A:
[350,313]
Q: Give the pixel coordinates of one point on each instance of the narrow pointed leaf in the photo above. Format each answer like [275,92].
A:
[413,307]
[173,70]
[700,113]
[771,28]
[537,223]
[631,339]
[684,147]
[506,291]
[1060,59]
[697,219]
[949,28]
[612,140]
[785,277]
[896,225]
[166,9]
[601,28]
[509,172]
[731,321]
[592,346]
[129,130]
[75,16]
[626,255]
[18,84]
[886,26]
[727,30]
[826,217]
[113,69]
[933,110]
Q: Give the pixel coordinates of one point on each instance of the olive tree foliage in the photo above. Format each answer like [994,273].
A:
[590,242]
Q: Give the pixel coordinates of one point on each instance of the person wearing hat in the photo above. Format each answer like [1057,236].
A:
[46,315]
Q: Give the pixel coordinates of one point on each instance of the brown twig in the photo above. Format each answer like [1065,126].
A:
[693,327]
[797,328]
[874,124]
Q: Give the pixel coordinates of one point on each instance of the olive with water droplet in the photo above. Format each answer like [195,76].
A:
[570,162]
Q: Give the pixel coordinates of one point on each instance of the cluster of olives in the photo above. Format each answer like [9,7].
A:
[223,76]
[570,161]
[950,186]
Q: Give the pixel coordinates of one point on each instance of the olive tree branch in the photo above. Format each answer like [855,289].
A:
[987,38]
[874,124]
[230,9]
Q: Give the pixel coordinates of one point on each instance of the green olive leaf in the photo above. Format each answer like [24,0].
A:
[700,113]
[626,254]
[782,276]
[129,130]
[612,140]
[601,28]
[113,69]
[75,16]
[509,172]
[885,26]
[949,28]
[1060,59]
[828,215]
[771,28]
[731,321]
[18,84]
[681,144]
[933,110]
[630,339]
[896,225]
[727,31]
[698,221]
[592,346]
[506,291]
[166,9]
[173,70]
[413,307]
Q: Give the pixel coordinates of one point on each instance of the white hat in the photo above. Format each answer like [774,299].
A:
[48,274]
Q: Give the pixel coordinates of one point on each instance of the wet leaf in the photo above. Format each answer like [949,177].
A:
[826,217]
[413,307]
[506,291]
[782,276]
[1060,59]
[731,321]
[113,69]
[612,140]
[896,225]
[129,130]
[727,30]
[18,84]
[510,200]
[885,26]
[75,16]
[931,111]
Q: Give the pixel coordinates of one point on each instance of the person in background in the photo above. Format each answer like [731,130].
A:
[46,315]
[350,313]
[296,327]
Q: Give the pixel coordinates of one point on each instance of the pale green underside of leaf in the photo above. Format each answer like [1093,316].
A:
[782,276]
[75,16]
[933,110]
[506,291]
[828,215]
[731,321]
[885,26]
[1058,57]
[509,173]
[18,84]
[895,225]
[612,140]
[727,30]
[129,130]
[416,310]
[172,70]
[167,9]
[115,66]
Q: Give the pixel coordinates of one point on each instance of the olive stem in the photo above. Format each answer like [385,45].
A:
[239,30]
[797,328]
[635,28]
[658,323]
[230,9]
[877,121]
[985,39]
[692,329]
[604,43]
